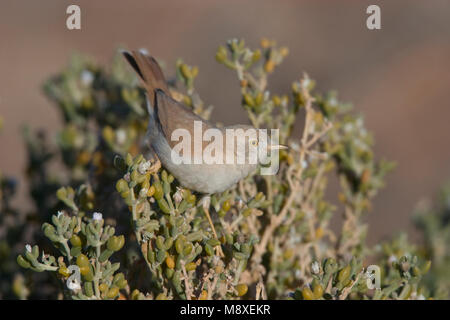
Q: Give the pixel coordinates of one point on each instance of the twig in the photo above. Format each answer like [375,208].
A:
[275,221]
[187,287]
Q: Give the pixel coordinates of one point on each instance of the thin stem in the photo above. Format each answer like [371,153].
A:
[97,275]
[187,287]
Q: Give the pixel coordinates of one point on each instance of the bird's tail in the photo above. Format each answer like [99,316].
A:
[149,72]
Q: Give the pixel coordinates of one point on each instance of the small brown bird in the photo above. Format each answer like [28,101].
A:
[168,115]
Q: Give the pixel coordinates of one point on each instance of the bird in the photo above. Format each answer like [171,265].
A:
[166,115]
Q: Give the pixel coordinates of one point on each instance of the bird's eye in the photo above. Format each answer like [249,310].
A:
[254,143]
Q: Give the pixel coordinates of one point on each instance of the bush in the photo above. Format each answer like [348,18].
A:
[118,226]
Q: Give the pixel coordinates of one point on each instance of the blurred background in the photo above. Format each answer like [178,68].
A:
[398,77]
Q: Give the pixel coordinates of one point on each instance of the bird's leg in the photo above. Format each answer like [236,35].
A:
[205,202]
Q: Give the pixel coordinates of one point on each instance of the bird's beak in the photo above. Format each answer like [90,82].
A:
[277,147]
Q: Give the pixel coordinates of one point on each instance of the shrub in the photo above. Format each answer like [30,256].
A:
[124,224]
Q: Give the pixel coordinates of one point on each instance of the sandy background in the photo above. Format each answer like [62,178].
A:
[398,77]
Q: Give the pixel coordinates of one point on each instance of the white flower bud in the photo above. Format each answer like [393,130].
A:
[143,193]
[178,196]
[121,136]
[87,77]
[392,259]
